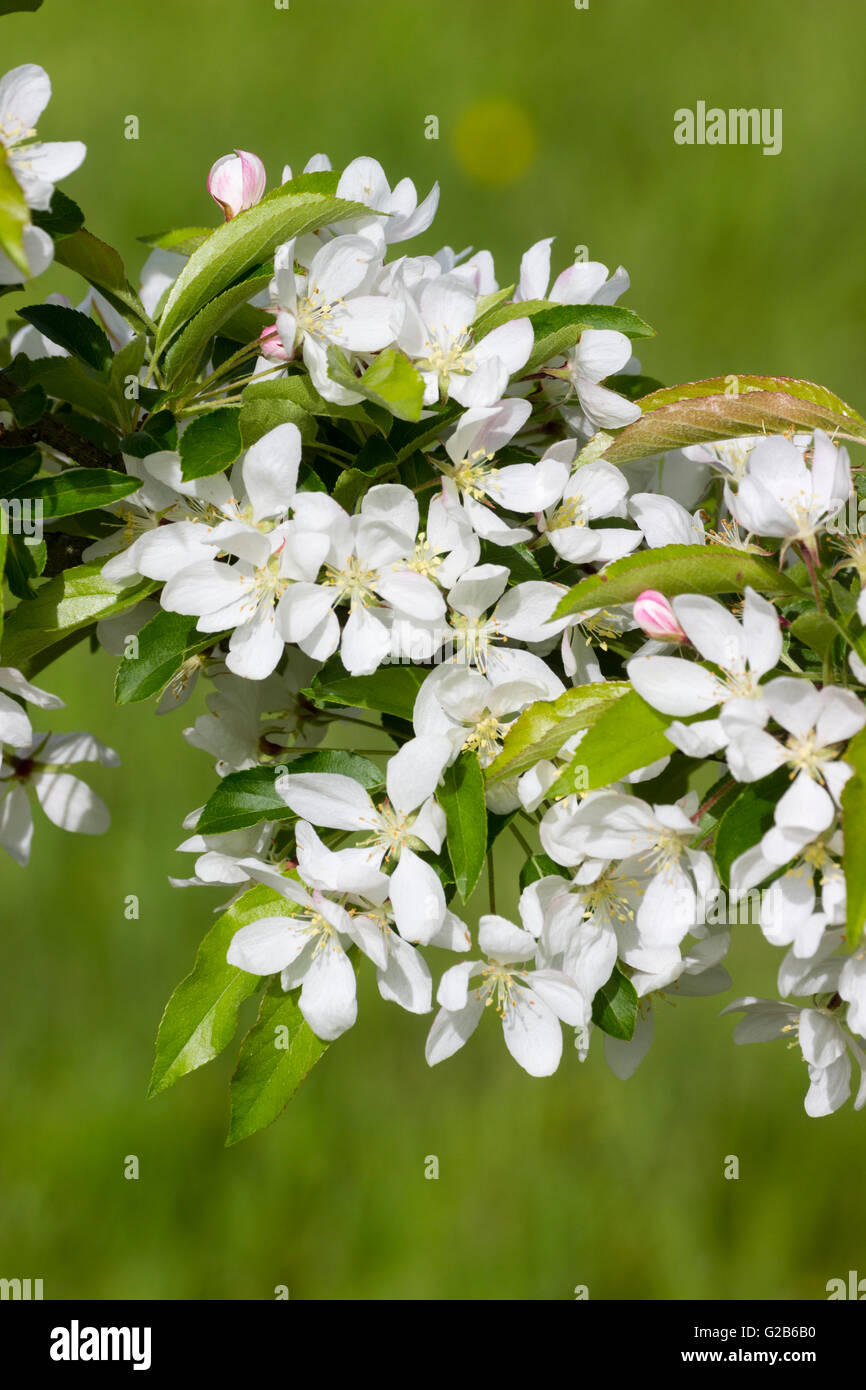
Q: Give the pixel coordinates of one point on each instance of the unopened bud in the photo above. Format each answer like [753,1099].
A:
[272,346]
[654,615]
[237,182]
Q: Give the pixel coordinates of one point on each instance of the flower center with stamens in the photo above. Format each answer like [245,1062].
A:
[443,358]
[605,899]
[569,513]
[666,852]
[315,315]
[472,639]
[497,987]
[486,737]
[353,581]
[424,559]
[473,473]
[807,755]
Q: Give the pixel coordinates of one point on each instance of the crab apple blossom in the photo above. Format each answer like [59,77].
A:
[38,770]
[531,1003]
[779,494]
[37,165]
[329,304]
[742,653]
[453,364]
[458,624]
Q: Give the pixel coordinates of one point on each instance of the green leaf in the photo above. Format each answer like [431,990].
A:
[74,599]
[66,379]
[614,1008]
[79,490]
[702,411]
[302,205]
[299,391]
[264,408]
[854,817]
[210,443]
[28,406]
[538,866]
[101,266]
[391,382]
[559,327]
[182,240]
[188,346]
[14,217]
[201,1016]
[164,644]
[389,690]
[275,1057]
[746,820]
[545,726]
[461,796]
[71,330]
[17,6]
[63,217]
[676,569]
[246,798]
[815,630]
[628,735]
[3,548]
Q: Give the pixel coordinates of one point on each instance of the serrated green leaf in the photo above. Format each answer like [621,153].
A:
[164,644]
[559,327]
[389,690]
[746,820]
[815,630]
[853,859]
[66,379]
[62,218]
[700,412]
[246,798]
[100,265]
[391,382]
[276,1055]
[190,343]
[614,1008]
[538,866]
[233,249]
[14,217]
[73,600]
[79,490]
[210,443]
[262,410]
[461,796]
[542,729]
[676,569]
[298,390]
[200,1018]
[628,734]
[182,240]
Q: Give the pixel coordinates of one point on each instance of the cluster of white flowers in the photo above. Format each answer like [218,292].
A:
[438,570]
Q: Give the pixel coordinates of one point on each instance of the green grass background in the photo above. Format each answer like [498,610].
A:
[744,264]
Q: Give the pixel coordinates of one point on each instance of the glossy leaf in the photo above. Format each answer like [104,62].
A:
[542,729]
[246,798]
[677,569]
[628,735]
[164,644]
[200,1018]
[276,1055]
[461,796]
[700,412]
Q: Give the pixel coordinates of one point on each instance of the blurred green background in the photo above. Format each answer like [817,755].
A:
[552,120]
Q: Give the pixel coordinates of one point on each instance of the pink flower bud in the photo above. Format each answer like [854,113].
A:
[237,182]
[653,613]
[272,346]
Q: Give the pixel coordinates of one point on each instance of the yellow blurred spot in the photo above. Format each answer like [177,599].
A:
[495,141]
